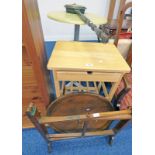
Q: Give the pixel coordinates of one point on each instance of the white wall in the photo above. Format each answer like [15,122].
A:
[61,31]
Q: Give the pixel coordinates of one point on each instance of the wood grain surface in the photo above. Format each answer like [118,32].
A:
[35,76]
[69,55]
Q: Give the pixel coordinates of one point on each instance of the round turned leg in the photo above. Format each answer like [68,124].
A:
[49,147]
[111,140]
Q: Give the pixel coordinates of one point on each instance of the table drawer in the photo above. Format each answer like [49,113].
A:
[87,76]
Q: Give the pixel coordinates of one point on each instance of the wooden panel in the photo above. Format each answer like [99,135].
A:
[35,77]
[30,90]
[87,56]
[34,43]
[84,76]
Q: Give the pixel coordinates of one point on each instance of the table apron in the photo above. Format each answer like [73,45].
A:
[87,76]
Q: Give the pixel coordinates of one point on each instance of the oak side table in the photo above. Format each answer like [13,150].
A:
[91,64]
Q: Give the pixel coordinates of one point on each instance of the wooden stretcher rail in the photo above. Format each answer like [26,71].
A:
[116,117]
[113,115]
[82,87]
[75,135]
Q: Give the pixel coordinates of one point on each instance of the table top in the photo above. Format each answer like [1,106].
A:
[87,56]
[75,19]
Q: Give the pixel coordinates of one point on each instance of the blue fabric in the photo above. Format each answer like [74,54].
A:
[49,49]
[34,144]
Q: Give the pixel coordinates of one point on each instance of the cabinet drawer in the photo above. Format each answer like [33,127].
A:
[87,76]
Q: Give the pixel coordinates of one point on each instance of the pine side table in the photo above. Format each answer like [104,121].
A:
[91,64]
[71,18]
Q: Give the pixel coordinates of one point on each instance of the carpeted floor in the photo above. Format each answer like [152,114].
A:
[34,144]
